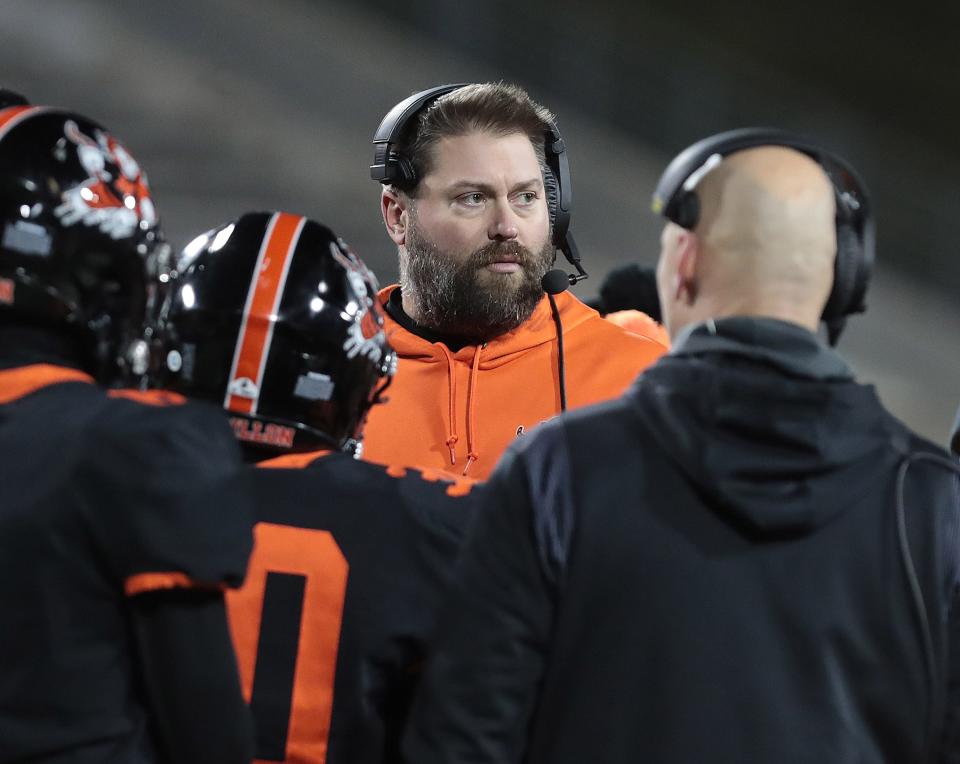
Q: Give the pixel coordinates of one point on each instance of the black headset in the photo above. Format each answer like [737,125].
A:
[676,199]
[391,167]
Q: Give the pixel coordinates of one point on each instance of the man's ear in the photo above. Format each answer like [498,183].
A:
[393,206]
[688,252]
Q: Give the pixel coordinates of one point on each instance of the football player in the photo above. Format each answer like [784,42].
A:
[275,319]
[114,546]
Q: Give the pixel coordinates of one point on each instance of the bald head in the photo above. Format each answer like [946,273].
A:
[766,238]
[767,226]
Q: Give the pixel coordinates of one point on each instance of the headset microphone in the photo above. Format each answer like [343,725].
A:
[555,281]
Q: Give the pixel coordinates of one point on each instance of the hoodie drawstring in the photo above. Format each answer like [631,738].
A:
[472,455]
[452,398]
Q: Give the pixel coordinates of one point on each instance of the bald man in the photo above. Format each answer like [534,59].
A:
[714,567]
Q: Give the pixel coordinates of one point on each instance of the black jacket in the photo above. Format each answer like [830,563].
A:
[955,436]
[712,568]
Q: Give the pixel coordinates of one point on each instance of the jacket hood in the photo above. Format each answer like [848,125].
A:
[536,330]
[766,421]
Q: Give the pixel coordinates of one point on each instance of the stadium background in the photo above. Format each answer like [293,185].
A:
[233,106]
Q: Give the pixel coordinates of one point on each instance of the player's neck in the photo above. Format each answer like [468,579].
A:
[26,345]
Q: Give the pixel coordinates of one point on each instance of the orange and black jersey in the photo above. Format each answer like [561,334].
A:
[350,563]
[107,498]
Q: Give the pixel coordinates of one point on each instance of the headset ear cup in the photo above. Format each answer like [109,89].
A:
[404,174]
[846,269]
[686,210]
[552,194]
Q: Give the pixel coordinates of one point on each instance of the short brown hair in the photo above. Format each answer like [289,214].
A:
[495,107]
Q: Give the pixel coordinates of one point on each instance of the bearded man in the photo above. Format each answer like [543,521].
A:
[479,352]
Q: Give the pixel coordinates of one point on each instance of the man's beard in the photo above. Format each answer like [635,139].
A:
[462,298]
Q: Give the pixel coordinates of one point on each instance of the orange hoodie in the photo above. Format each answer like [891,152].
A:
[458,411]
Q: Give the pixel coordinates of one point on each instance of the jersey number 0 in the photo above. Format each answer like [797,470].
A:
[285,624]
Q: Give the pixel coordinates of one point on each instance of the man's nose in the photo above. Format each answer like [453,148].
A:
[503,226]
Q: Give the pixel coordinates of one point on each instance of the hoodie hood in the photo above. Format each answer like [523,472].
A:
[536,330]
[766,421]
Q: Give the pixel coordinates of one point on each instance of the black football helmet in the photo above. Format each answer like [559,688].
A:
[79,234]
[12,98]
[275,319]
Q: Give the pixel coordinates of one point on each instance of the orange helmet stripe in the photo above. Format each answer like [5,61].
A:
[259,313]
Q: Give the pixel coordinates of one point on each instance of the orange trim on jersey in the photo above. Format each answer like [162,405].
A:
[263,300]
[152,582]
[293,461]
[10,118]
[149,397]
[19,382]
[457,486]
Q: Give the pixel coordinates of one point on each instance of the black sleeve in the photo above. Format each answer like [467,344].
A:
[479,689]
[950,747]
[189,677]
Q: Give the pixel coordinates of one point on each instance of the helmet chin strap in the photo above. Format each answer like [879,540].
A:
[354,445]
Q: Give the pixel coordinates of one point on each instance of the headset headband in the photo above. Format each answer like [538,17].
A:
[392,127]
[685,166]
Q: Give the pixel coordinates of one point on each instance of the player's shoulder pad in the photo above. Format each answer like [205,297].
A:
[166,431]
[437,499]
[165,497]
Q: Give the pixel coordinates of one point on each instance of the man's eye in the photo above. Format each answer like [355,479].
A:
[473,199]
[526,197]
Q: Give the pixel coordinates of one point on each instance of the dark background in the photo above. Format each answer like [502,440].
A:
[235,106]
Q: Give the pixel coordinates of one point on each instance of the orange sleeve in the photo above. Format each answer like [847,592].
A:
[639,323]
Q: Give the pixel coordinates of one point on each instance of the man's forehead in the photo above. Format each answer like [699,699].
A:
[483,155]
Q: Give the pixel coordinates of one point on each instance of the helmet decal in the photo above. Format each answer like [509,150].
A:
[314,386]
[263,302]
[244,387]
[365,336]
[115,198]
